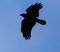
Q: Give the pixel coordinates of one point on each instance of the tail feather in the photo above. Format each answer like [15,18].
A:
[43,22]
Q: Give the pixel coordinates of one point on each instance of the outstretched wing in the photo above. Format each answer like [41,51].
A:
[26,28]
[33,10]
[35,7]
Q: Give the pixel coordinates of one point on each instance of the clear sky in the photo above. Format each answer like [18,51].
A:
[44,38]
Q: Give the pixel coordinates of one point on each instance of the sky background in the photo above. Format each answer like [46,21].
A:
[44,38]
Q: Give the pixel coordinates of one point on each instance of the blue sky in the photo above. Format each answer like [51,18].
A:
[44,38]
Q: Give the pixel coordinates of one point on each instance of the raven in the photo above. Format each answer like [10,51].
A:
[30,19]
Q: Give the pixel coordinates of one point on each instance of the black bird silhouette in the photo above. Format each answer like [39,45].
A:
[30,19]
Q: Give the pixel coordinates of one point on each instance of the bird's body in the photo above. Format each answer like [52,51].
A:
[30,19]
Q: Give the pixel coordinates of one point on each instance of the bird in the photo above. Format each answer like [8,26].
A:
[30,19]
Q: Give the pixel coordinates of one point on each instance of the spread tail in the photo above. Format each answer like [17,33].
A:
[43,22]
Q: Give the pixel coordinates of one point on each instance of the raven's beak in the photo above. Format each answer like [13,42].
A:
[20,14]
[23,15]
